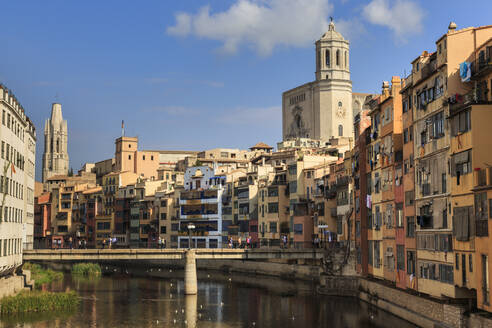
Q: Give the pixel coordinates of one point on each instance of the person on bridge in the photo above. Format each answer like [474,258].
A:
[104,243]
[248,242]
[160,242]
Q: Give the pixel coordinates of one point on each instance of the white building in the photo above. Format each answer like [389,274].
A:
[201,205]
[17,161]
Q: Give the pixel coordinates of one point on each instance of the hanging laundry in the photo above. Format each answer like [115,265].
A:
[368,201]
[465,71]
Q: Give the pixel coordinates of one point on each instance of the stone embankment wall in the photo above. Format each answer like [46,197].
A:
[419,310]
[13,284]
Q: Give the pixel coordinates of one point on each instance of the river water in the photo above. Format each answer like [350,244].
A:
[222,301]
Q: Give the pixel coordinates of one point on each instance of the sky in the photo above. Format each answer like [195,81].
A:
[198,74]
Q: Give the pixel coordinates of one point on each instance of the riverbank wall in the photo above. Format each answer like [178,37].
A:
[419,310]
[13,284]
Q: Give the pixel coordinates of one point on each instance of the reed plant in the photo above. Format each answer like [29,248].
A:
[42,276]
[38,301]
[86,269]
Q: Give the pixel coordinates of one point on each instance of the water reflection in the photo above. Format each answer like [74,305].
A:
[122,301]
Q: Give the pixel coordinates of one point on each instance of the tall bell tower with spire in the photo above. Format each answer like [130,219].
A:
[55,156]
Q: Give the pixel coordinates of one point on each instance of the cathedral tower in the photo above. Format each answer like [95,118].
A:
[55,156]
[325,108]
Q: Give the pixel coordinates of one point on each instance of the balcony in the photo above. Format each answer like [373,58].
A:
[482,177]
[481,67]
[198,194]
[477,96]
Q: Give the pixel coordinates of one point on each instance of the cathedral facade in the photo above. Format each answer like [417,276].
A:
[325,108]
[55,156]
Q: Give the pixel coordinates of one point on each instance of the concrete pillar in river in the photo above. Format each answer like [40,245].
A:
[191,310]
[190,273]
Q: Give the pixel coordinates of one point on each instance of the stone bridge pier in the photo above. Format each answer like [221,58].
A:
[190,281]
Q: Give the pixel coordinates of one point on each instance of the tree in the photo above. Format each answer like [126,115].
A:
[70,172]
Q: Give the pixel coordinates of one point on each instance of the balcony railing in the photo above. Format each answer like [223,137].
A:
[481,66]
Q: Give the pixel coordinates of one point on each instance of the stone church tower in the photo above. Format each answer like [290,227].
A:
[324,108]
[55,156]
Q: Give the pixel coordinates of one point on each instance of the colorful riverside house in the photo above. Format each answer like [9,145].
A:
[470,160]
[410,280]
[201,207]
[385,150]
[362,124]
[437,86]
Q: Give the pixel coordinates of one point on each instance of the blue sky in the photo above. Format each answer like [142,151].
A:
[198,74]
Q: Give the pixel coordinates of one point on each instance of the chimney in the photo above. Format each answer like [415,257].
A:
[385,91]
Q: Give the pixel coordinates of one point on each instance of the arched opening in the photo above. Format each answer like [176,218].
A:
[327,58]
[57,145]
[346,60]
[340,130]
[338,58]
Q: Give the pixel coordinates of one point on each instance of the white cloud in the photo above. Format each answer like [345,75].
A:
[261,24]
[404,17]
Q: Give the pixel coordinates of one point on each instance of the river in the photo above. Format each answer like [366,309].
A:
[222,301]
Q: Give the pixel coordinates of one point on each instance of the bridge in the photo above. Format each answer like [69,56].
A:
[189,255]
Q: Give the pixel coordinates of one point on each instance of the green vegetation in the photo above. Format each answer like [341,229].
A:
[42,276]
[89,269]
[38,301]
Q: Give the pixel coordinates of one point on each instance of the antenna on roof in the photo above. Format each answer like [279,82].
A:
[122,128]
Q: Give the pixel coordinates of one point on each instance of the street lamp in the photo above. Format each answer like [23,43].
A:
[191,226]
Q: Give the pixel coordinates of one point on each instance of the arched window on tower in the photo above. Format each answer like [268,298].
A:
[338,57]
[327,58]
[340,130]
[57,145]
[346,60]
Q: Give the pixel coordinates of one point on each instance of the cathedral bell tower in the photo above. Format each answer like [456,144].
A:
[332,56]
[55,156]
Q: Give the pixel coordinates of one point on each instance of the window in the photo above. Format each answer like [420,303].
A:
[461,123]
[272,207]
[273,227]
[273,192]
[370,251]
[327,58]
[293,187]
[485,278]
[346,59]
[129,156]
[470,262]
[298,229]
[175,227]
[461,165]
[437,130]
[143,157]
[409,197]
[481,209]
[338,58]
[163,229]
[405,136]
[399,215]
[411,259]
[340,130]
[400,257]
[163,216]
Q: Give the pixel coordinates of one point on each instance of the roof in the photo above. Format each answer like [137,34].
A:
[92,190]
[44,198]
[58,177]
[261,145]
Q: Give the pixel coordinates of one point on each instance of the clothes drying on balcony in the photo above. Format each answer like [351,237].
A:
[465,71]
